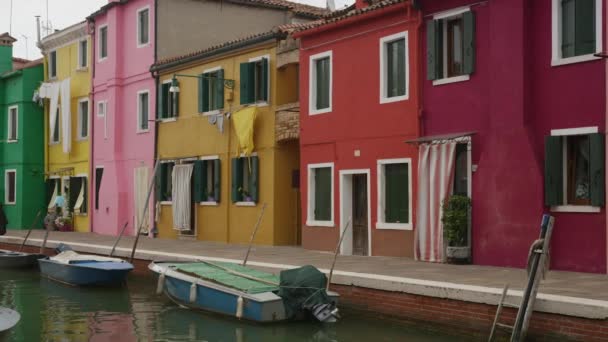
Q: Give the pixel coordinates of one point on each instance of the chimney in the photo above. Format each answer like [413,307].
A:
[6,52]
[38,30]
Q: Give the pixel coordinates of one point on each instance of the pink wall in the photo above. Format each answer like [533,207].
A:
[117,80]
[512,101]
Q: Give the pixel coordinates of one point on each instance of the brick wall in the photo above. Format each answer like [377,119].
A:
[287,122]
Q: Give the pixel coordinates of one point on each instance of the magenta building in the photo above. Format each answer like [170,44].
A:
[123,129]
[517,86]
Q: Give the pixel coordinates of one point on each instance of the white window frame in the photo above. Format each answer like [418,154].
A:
[312,83]
[384,41]
[381,220]
[257,59]
[210,203]
[79,121]
[10,124]
[86,62]
[139,116]
[570,208]
[101,58]
[6,172]
[310,204]
[58,141]
[137,37]
[215,111]
[444,58]
[556,36]
[54,59]
[103,104]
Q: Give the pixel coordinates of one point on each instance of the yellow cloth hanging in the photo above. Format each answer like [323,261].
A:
[243,126]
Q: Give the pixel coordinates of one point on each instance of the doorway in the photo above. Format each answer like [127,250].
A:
[355,205]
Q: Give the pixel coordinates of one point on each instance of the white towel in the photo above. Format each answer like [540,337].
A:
[182,205]
[66,116]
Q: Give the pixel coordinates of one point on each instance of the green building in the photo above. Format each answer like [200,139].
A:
[22,189]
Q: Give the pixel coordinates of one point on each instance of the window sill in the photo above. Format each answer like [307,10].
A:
[245,204]
[143,45]
[82,69]
[82,138]
[166,202]
[142,131]
[168,120]
[394,226]
[54,78]
[10,203]
[262,104]
[209,204]
[80,214]
[573,60]
[320,111]
[312,223]
[102,59]
[449,80]
[211,113]
[11,141]
[575,209]
[54,143]
[384,99]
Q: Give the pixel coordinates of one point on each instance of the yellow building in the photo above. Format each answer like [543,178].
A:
[68,83]
[202,97]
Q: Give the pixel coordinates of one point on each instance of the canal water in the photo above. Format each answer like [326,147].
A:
[56,312]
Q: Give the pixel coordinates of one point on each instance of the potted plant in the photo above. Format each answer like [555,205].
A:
[245,195]
[64,224]
[455,220]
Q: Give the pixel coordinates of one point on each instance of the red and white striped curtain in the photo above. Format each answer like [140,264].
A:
[435,180]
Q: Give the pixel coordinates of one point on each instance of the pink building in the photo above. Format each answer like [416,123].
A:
[123,98]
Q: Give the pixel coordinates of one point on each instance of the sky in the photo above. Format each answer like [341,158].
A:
[61,14]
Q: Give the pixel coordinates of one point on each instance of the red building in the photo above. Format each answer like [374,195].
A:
[359,102]
[515,88]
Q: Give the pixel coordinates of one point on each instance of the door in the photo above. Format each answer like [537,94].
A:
[359,205]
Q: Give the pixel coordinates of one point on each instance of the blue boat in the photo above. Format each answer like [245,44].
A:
[75,269]
[244,293]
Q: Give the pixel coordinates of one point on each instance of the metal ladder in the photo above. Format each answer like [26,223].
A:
[526,307]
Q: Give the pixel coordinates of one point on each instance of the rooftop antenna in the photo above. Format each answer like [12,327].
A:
[27,55]
[10,25]
[331,5]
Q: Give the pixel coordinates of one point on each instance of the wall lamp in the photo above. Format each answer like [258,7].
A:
[228,83]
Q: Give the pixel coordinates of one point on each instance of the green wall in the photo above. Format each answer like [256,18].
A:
[27,154]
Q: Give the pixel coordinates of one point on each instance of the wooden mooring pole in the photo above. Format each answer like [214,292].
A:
[333,264]
[255,230]
[122,231]
[30,231]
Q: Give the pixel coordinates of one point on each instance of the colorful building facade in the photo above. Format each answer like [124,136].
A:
[225,93]
[21,144]
[67,120]
[516,85]
[123,102]
[360,102]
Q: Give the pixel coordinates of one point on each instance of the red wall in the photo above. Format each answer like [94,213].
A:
[512,101]
[358,121]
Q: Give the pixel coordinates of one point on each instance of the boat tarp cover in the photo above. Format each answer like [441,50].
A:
[227,274]
[71,257]
[302,288]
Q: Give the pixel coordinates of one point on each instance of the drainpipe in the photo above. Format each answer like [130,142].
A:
[605,48]
[93,114]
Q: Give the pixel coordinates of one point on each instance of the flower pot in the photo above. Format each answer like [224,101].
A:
[458,255]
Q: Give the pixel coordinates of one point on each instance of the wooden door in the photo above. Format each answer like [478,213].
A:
[360,231]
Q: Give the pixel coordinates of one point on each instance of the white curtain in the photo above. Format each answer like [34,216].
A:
[141,191]
[435,179]
[66,122]
[180,195]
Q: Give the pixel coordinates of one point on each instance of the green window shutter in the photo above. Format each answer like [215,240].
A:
[584,27]
[199,181]
[237,179]
[396,189]
[74,191]
[254,188]
[322,82]
[203,94]
[217,178]
[322,194]
[554,168]
[567,29]
[85,204]
[468,41]
[175,102]
[219,90]
[158,188]
[265,79]
[247,78]
[433,56]
[597,169]
[161,102]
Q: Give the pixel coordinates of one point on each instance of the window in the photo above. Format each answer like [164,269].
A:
[254,81]
[10,186]
[142,111]
[103,42]
[574,170]
[576,30]
[168,102]
[83,54]
[98,178]
[83,119]
[211,91]
[451,46]
[320,210]
[394,68]
[245,171]
[143,27]
[54,131]
[320,83]
[52,64]
[207,175]
[101,108]
[461,170]
[394,194]
[164,184]
[77,195]
[13,122]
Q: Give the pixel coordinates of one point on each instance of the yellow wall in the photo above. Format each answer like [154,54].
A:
[80,87]
[191,135]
